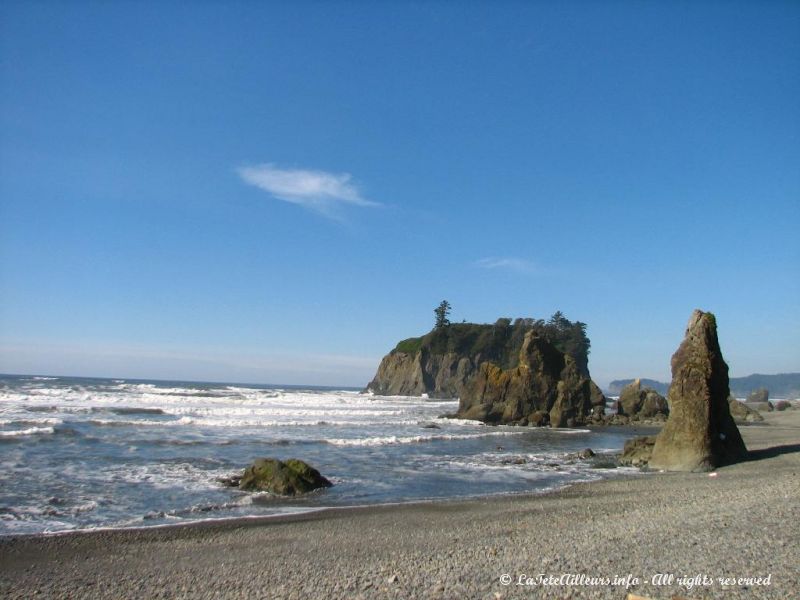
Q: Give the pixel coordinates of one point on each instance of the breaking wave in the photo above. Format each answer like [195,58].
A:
[414,439]
[27,432]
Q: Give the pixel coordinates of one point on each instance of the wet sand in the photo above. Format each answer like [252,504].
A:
[592,540]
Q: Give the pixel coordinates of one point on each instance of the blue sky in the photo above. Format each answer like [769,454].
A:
[279,192]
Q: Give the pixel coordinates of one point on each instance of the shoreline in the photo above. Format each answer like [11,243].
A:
[740,523]
[292,515]
[633,429]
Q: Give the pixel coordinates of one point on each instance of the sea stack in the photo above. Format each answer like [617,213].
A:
[700,433]
[521,372]
[544,387]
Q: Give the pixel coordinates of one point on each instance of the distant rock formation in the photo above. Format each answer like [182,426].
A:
[742,413]
[781,385]
[290,478]
[637,402]
[758,396]
[615,387]
[700,433]
[545,387]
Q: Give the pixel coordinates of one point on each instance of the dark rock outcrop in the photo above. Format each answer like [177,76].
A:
[742,413]
[638,451]
[700,433]
[597,399]
[289,478]
[545,387]
[638,403]
[781,405]
[616,420]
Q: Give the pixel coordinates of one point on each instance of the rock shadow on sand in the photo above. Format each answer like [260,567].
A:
[772,452]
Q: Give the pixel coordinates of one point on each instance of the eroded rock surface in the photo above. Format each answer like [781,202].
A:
[700,433]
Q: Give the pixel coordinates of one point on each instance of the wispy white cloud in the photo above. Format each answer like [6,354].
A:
[319,191]
[519,265]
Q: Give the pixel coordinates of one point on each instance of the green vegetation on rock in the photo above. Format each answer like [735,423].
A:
[500,341]
[409,346]
[442,311]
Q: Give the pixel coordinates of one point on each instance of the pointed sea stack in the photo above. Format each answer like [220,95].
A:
[700,433]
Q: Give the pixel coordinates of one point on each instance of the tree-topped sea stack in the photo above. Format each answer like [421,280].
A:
[700,433]
[525,371]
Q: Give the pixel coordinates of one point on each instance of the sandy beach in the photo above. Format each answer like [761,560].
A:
[658,535]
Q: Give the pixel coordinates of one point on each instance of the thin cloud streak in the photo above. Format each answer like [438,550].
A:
[319,191]
[518,265]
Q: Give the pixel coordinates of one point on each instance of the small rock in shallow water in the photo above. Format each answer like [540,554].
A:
[232,481]
[289,478]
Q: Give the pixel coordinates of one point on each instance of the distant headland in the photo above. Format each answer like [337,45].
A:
[782,385]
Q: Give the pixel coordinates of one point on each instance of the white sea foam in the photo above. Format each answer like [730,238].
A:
[35,422]
[232,406]
[164,476]
[464,422]
[136,423]
[27,432]
[413,439]
[566,431]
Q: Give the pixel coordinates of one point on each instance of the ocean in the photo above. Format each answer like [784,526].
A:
[81,453]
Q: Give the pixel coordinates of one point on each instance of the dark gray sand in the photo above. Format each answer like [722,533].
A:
[743,523]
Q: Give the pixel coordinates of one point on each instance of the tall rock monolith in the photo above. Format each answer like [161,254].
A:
[700,433]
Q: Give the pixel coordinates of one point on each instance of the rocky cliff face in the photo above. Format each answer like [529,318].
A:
[438,375]
[700,433]
[545,387]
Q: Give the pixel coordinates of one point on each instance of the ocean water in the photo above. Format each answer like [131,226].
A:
[87,453]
